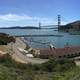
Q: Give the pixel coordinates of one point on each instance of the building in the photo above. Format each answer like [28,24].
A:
[60,52]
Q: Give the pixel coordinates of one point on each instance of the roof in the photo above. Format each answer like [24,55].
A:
[60,51]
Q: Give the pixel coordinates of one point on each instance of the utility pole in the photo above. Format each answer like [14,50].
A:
[59,21]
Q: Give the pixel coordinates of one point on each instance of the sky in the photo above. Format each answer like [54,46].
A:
[31,12]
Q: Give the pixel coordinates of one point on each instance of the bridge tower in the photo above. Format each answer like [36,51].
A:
[39,25]
[59,21]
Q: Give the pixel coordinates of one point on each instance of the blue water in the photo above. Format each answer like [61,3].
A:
[59,42]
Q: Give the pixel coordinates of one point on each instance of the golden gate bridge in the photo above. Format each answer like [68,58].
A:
[59,17]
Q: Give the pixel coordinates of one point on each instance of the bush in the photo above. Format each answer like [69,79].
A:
[57,65]
[5,38]
[49,66]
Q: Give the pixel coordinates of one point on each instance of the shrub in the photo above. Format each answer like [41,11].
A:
[5,38]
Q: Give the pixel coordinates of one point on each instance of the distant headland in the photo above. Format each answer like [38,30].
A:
[70,27]
[20,27]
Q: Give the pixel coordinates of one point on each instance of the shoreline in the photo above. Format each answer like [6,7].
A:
[22,39]
[67,51]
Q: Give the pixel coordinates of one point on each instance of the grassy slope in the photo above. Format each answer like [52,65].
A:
[11,70]
[16,74]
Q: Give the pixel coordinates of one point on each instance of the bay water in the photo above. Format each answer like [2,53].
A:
[43,42]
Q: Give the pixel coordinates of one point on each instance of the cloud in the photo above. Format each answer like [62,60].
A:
[15,17]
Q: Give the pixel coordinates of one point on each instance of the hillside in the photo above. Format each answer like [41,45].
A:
[51,70]
[74,26]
